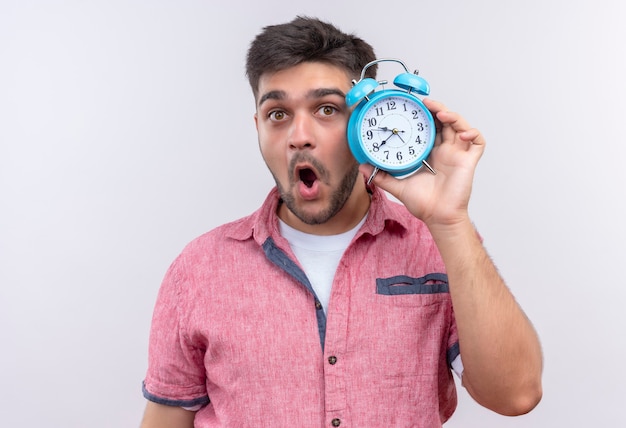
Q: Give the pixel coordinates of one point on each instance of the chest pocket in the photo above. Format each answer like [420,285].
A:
[408,291]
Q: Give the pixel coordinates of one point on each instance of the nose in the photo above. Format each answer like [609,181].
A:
[301,132]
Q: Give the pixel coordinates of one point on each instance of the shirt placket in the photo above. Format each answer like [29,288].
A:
[335,355]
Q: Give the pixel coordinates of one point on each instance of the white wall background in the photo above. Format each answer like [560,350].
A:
[120,122]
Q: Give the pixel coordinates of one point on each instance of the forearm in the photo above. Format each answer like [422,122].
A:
[499,347]
[162,416]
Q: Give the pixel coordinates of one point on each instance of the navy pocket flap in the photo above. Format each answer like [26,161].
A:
[432,283]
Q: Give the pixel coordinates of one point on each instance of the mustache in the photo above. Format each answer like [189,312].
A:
[302,157]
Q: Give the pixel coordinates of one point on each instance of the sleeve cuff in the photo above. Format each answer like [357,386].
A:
[191,404]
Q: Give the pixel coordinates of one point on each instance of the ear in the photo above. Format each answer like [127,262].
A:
[256,122]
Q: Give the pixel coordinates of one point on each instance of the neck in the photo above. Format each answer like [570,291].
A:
[347,218]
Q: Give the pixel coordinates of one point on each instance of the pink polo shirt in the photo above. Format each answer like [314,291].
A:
[238,329]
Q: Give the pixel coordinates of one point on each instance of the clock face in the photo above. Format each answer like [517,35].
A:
[396,131]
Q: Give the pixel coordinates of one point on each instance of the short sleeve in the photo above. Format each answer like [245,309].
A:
[176,373]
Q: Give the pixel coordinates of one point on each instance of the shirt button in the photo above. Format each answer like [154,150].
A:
[318,305]
[332,360]
[336,422]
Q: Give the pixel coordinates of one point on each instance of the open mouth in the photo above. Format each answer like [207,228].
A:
[307,176]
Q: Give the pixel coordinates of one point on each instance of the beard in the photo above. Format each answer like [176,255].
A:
[338,197]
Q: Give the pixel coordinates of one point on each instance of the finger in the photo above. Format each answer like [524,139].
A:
[434,106]
[473,137]
[454,120]
[444,117]
[470,135]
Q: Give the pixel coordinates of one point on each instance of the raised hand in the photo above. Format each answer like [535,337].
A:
[442,198]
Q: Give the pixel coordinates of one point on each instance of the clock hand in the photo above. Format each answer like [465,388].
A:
[394,131]
[384,128]
[399,136]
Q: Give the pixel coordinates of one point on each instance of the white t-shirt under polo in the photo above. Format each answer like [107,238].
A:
[319,256]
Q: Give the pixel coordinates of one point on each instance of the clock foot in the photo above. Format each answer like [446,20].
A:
[430,168]
[369,180]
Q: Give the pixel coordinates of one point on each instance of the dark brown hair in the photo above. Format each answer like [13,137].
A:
[305,39]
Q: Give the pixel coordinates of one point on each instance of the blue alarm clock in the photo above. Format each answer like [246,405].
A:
[391,129]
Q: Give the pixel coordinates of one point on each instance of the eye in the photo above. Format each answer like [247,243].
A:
[327,110]
[277,115]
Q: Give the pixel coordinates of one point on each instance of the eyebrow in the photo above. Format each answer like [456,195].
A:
[272,95]
[312,94]
[322,92]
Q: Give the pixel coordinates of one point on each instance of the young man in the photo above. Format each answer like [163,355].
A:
[331,305]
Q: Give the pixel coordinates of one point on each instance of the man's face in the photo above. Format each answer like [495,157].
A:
[301,122]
